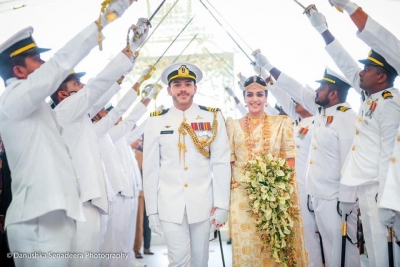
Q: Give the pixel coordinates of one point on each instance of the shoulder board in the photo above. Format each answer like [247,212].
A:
[387,95]
[159,112]
[342,108]
[208,108]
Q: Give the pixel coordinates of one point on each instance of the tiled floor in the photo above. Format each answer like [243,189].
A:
[160,258]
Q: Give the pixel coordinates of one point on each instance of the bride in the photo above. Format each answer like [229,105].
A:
[254,135]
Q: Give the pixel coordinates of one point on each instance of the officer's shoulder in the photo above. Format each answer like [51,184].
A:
[343,108]
[387,95]
[209,108]
[159,112]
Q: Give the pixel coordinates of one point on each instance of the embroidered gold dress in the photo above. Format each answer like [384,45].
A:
[247,247]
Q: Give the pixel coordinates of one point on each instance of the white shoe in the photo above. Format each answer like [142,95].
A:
[135,263]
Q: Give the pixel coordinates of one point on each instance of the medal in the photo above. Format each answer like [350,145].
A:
[329,120]
[371,110]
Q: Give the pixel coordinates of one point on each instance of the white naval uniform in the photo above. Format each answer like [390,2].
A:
[387,45]
[115,239]
[330,145]
[183,199]
[131,193]
[303,141]
[81,139]
[368,162]
[45,192]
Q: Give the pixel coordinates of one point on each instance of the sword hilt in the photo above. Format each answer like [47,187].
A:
[146,77]
[390,235]
[308,9]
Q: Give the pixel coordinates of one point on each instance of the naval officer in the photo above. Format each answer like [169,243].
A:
[186,169]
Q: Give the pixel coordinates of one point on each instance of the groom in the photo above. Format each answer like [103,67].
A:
[186,170]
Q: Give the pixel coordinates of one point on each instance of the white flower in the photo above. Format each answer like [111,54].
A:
[280,173]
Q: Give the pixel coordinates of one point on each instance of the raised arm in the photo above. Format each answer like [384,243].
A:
[347,65]
[297,91]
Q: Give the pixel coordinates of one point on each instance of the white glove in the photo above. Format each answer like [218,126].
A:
[155,224]
[117,7]
[220,216]
[260,71]
[230,91]
[262,61]
[142,29]
[242,78]
[346,5]
[145,72]
[387,216]
[150,90]
[318,21]
[346,208]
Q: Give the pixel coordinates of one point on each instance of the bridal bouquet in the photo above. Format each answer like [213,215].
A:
[268,182]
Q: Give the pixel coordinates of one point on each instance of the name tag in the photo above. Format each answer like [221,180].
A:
[167,132]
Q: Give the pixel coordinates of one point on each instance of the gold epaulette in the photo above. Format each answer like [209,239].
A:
[159,112]
[387,95]
[208,108]
[342,108]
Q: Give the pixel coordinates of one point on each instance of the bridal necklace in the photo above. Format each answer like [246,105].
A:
[251,142]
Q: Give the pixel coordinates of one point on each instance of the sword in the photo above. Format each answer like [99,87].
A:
[220,246]
[127,38]
[153,69]
[390,246]
[344,234]
[226,31]
[229,25]
[322,249]
[215,57]
[306,9]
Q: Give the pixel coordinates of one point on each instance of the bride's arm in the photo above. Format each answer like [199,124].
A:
[230,130]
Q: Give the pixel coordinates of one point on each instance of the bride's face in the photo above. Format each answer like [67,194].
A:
[255,99]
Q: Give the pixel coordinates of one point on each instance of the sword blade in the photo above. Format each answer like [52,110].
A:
[158,8]
[300,4]
[151,34]
[174,40]
[233,39]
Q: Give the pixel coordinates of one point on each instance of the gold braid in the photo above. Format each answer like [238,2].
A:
[104,4]
[185,129]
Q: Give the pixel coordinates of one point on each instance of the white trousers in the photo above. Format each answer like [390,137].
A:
[187,243]
[311,236]
[117,237]
[87,237]
[52,232]
[375,233]
[329,224]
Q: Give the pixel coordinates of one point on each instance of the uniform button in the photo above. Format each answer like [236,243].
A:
[70,156]
[77,177]
[314,147]
[353,148]
[315,136]
[369,102]
[393,159]
[185,168]
[319,124]
[398,138]
[310,161]
[185,185]
[357,132]
[360,120]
